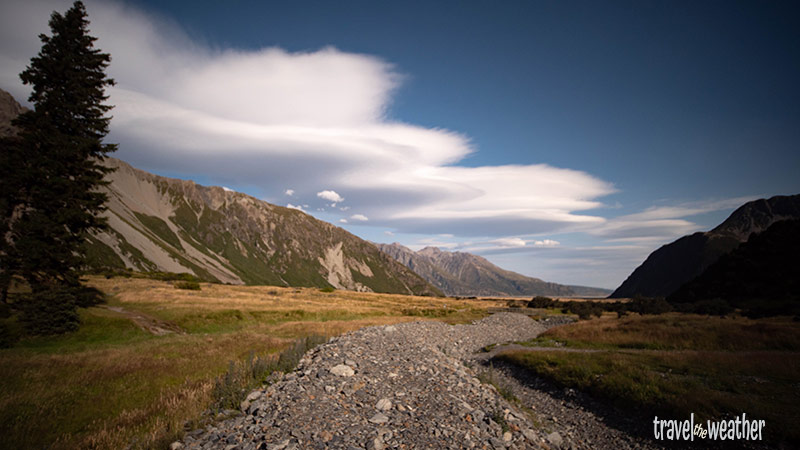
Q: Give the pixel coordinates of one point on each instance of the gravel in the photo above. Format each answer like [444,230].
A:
[400,386]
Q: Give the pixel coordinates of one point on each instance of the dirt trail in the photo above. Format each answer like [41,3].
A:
[147,323]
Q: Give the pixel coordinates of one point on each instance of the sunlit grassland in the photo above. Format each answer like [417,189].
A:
[676,364]
[111,384]
[676,331]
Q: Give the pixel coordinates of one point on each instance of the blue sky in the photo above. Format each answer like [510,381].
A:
[562,140]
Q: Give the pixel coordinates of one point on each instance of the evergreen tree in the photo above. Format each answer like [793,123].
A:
[58,156]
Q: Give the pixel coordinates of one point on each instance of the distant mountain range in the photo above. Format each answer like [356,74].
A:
[465,274]
[674,264]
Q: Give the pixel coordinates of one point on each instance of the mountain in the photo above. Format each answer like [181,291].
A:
[762,274]
[465,274]
[672,265]
[165,224]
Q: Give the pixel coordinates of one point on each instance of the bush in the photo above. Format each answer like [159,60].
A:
[585,310]
[51,311]
[649,305]
[171,276]
[541,302]
[7,336]
[328,289]
[231,387]
[189,285]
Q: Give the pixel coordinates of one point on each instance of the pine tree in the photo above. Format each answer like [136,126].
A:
[59,153]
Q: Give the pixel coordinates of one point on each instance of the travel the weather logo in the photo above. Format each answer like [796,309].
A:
[738,428]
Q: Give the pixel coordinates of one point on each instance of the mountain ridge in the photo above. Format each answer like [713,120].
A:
[169,224]
[670,266]
[466,274]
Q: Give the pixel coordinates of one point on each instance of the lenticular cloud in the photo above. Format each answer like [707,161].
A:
[316,121]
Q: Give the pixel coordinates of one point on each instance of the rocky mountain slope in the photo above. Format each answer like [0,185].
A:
[164,224]
[173,225]
[465,274]
[760,275]
[9,109]
[672,265]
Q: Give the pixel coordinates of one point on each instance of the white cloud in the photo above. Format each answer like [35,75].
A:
[509,242]
[289,192]
[315,120]
[660,224]
[388,233]
[342,220]
[297,207]
[359,217]
[330,196]
[546,243]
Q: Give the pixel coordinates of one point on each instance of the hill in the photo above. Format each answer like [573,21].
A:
[171,225]
[674,264]
[165,224]
[761,275]
[465,274]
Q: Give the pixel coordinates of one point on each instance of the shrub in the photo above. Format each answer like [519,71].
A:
[231,387]
[50,311]
[643,305]
[328,289]
[171,276]
[541,302]
[189,285]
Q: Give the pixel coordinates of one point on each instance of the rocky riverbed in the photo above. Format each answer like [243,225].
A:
[412,385]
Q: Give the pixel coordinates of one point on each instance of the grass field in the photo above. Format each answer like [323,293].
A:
[674,364]
[112,384]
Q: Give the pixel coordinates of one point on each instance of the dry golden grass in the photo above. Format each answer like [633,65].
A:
[678,331]
[111,384]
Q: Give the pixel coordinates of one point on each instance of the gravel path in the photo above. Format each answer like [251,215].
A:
[407,386]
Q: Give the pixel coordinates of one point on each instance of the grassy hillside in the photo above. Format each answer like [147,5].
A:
[112,384]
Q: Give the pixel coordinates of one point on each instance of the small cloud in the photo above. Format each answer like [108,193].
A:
[509,242]
[297,207]
[344,208]
[546,243]
[227,189]
[388,233]
[342,220]
[446,235]
[289,192]
[359,217]
[331,196]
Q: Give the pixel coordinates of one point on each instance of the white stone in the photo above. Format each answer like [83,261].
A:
[343,370]
[383,404]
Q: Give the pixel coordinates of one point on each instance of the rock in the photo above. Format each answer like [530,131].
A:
[555,439]
[414,391]
[383,404]
[379,418]
[530,435]
[176,446]
[343,370]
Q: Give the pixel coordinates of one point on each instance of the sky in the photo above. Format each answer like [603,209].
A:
[560,140]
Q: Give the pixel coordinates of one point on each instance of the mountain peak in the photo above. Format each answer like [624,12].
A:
[674,264]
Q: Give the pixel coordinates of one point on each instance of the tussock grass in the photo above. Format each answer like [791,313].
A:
[676,331]
[676,364]
[111,385]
